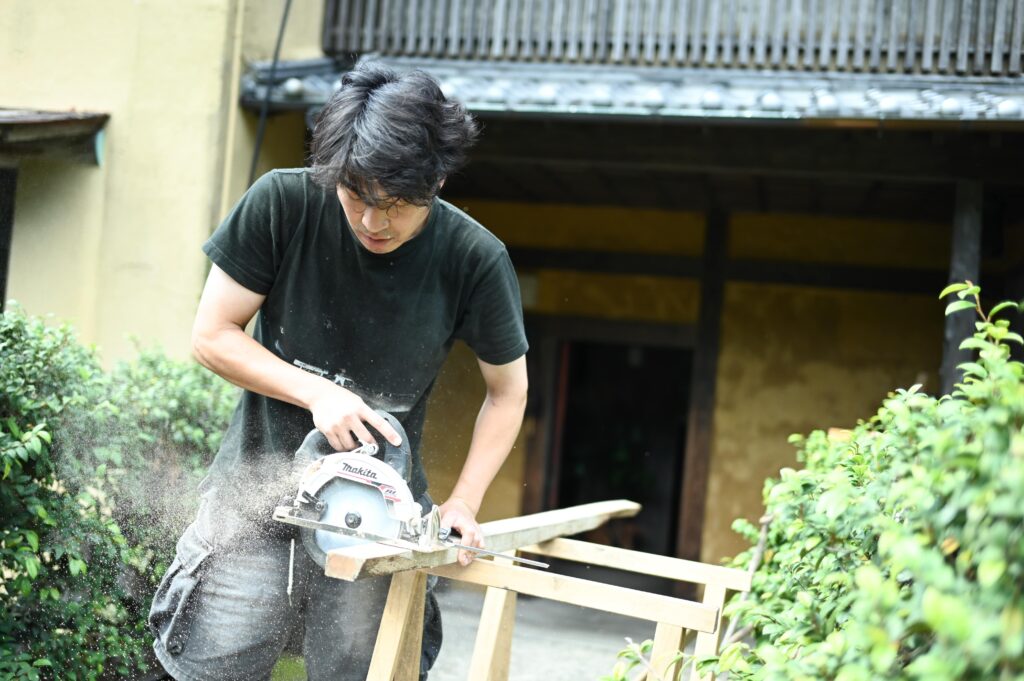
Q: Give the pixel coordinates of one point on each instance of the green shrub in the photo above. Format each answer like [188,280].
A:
[90,461]
[897,552]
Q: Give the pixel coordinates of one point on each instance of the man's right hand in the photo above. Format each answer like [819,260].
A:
[342,417]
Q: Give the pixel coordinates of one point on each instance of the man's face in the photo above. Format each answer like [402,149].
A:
[382,229]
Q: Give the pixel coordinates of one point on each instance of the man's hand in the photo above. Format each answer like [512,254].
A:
[340,414]
[457,514]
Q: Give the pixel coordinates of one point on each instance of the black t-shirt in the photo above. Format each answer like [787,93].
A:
[380,325]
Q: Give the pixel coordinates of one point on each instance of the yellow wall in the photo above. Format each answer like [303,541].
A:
[115,249]
[794,360]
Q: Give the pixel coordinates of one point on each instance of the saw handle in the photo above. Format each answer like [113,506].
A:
[316,446]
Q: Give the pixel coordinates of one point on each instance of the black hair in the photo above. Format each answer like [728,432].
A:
[389,135]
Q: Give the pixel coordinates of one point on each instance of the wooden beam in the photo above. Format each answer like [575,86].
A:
[965,264]
[907,154]
[8,185]
[366,560]
[642,563]
[492,651]
[399,646]
[819,275]
[697,455]
[585,593]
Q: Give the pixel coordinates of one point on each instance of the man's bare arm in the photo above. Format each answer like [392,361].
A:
[494,434]
[220,343]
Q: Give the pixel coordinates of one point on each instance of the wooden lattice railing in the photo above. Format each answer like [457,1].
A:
[970,37]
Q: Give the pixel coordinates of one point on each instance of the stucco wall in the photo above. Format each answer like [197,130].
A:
[793,360]
[115,249]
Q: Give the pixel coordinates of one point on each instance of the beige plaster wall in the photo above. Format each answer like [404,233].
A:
[116,249]
[794,360]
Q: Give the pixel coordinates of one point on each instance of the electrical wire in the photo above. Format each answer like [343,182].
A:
[265,105]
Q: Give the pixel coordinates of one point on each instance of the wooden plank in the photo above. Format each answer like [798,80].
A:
[557,25]
[666,35]
[367,560]
[912,49]
[409,27]
[356,26]
[482,21]
[574,33]
[707,642]
[793,39]
[512,22]
[455,29]
[828,24]
[964,39]
[492,651]
[500,11]
[668,641]
[812,35]
[761,32]
[527,34]
[642,563]
[590,31]
[931,22]
[619,31]
[746,23]
[982,35]
[633,24]
[8,188]
[329,33]
[965,264]
[711,41]
[650,32]
[999,35]
[697,456]
[877,36]
[584,593]
[397,652]
[843,37]
[1016,38]
[860,34]
[682,31]
[370,26]
[697,32]
[778,34]
[894,34]
[948,33]
[728,33]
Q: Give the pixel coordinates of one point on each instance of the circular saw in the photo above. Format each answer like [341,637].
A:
[347,498]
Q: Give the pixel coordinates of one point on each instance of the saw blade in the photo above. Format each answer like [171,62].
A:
[357,507]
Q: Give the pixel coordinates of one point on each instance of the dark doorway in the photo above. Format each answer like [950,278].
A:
[621,433]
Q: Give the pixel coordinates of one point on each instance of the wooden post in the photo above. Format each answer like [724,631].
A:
[399,647]
[492,651]
[965,263]
[697,456]
[8,183]
[707,642]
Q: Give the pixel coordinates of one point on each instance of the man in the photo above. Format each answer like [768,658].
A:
[363,279]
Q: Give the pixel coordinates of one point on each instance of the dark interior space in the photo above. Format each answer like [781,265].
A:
[622,437]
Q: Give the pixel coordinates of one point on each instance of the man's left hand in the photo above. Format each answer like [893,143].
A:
[458,515]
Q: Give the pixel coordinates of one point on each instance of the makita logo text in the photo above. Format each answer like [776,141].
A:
[358,470]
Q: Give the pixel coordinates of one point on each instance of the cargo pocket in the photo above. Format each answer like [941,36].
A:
[173,609]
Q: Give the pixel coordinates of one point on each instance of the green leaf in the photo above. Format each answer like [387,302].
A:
[952,288]
[1003,306]
[42,662]
[989,571]
[958,305]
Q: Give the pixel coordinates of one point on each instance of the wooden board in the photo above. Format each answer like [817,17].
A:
[367,560]
[585,593]
[643,563]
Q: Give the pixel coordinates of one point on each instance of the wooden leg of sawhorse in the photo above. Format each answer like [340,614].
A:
[668,639]
[707,644]
[399,647]
[493,649]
